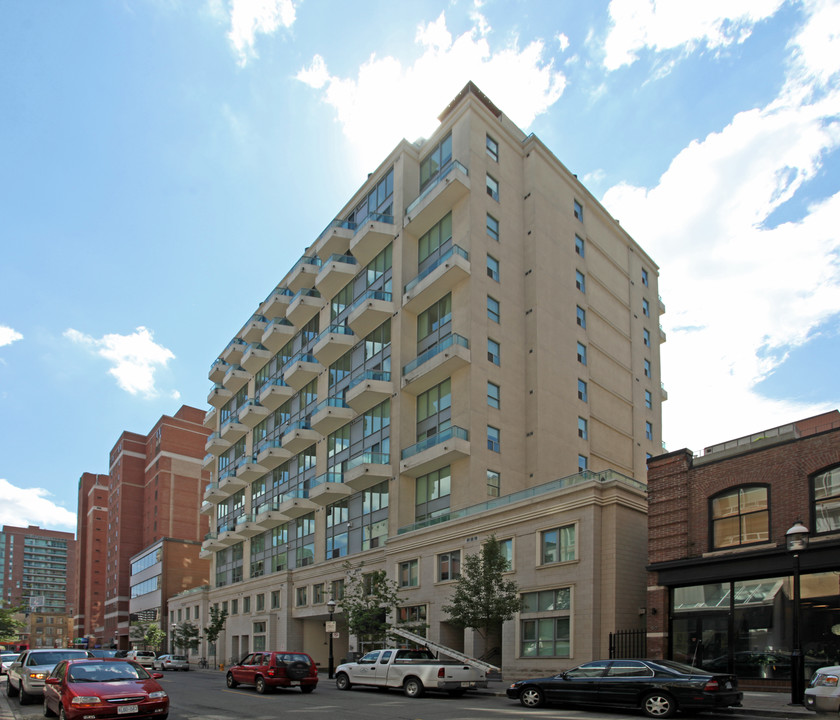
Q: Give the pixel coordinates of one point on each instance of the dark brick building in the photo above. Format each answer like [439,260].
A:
[721,580]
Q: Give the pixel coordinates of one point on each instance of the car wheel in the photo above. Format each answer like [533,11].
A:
[262,687]
[24,697]
[61,714]
[297,670]
[658,705]
[47,711]
[307,688]
[413,688]
[11,690]
[532,697]
[231,683]
[342,682]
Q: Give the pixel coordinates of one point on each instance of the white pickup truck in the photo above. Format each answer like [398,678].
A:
[415,671]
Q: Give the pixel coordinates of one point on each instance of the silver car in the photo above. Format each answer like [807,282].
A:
[171,662]
[28,672]
[6,659]
[823,692]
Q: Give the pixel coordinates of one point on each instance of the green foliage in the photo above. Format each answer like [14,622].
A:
[154,636]
[9,625]
[483,599]
[185,636]
[368,599]
[217,624]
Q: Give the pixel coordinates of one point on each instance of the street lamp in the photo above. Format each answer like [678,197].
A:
[330,631]
[797,541]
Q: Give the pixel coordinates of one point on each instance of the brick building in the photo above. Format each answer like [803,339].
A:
[721,581]
[152,491]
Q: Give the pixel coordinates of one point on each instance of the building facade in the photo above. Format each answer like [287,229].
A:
[471,331]
[152,491]
[722,582]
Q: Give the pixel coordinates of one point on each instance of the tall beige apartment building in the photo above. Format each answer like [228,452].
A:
[471,347]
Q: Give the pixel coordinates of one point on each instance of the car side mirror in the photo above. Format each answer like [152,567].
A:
[157,676]
[52,681]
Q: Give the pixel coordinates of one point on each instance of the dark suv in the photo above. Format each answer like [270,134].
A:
[269,670]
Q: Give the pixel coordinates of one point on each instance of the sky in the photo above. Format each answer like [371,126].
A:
[164,163]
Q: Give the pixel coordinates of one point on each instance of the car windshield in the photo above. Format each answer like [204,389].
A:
[106,672]
[53,657]
[179,658]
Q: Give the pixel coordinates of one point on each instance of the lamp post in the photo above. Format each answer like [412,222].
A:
[797,541]
[330,631]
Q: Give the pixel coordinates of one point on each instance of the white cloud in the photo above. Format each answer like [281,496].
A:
[135,357]
[8,335]
[22,507]
[740,293]
[249,17]
[668,24]
[563,41]
[518,79]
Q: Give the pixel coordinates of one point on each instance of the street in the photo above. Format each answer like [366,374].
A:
[202,695]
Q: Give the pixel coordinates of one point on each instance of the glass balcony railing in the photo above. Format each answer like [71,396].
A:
[219,363]
[302,357]
[346,224]
[375,217]
[448,341]
[299,425]
[330,402]
[306,260]
[211,536]
[454,250]
[382,375]
[258,318]
[279,291]
[585,476]
[209,487]
[334,330]
[244,517]
[368,458]
[279,321]
[306,292]
[328,477]
[348,259]
[234,343]
[432,185]
[268,383]
[229,471]
[268,443]
[371,295]
[452,432]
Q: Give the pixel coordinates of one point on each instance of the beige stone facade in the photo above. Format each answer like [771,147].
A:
[471,347]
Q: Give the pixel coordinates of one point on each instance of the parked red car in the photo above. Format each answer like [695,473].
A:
[104,688]
[269,670]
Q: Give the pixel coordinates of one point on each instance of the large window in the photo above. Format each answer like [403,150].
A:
[449,565]
[545,623]
[740,517]
[410,573]
[434,410]
[435,320]
[438,236]
[431,494]
[826,489]
[438,159]
[557,545]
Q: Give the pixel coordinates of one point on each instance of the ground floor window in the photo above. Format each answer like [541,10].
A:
[545,625]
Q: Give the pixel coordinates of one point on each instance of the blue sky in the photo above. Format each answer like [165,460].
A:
[166,161]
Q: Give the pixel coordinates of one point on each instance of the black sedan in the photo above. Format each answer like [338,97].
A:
[658,687]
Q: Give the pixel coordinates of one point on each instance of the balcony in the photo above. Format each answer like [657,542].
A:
[335,273]
[210,418]
[255,357]
[217,370]
[207,508]
[277,333]
[229,483]
[370,311]
[236,378]
[369,389]
[232,430]
[331,415]
[211,543]
[246,526]
[440,196]
[663,393]
[436,364]
[437,280]
[333,343]
[301,371]
[268,515]
[252,413]
[274,393]
[661,306]
[296,503]
[205,553]
[328,488]
[216,444]
[435,452]
[228,537]
[303,274]
[212,492]
[335,239]
[218,396]
[234,351]
[662,336]
[372,237]
[304,306]
[274,306]
[249,470]
[254,329]
[366,470]
[209,462]
[299,436]
[271,454]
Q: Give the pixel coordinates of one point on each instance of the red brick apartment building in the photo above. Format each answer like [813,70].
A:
[722,582]
[152,493]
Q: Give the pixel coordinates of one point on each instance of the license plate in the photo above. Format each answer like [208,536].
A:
[728,685]
[294,682]
[126,709]
[466,684]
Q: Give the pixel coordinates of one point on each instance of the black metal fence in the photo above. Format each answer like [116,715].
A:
[628,644]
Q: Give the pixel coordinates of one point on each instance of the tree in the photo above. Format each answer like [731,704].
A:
[185,636]
[368,599]
[154,636]
[214,629]
[483,599]
[9,624]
